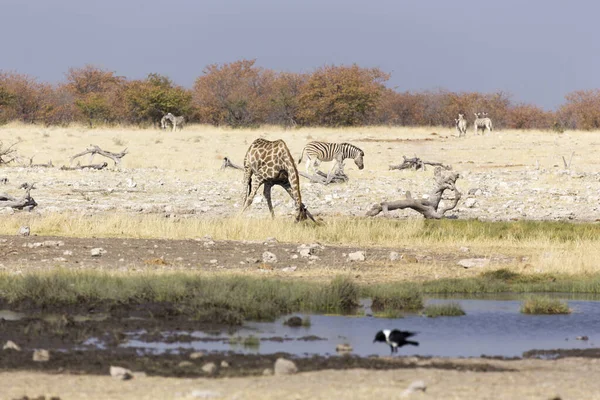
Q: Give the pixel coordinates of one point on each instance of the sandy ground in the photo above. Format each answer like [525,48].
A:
[520,175]
[571,378]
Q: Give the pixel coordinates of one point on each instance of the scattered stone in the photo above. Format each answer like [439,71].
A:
[344,348]
[41,355]
[271,240]
[196,355]
[53,243]
[267,372]
[185,364]
[464,249]
[209,368]
[97,252]
[582,338]
[67,253]
[289,269]
[474,262]
[209,243]
[285,367]
[24,231]
[224,364]
[10,345]
[394,256]
[120,373]
[356,256]
[269,257]
[416,386]
[306,250]
[471,203]
[213,261]
[252,260]
[293,321]
[204,394]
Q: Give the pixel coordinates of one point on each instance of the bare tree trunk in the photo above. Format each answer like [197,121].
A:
[25,202]
[430,207]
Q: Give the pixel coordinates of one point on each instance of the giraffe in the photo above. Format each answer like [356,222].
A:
[270,163]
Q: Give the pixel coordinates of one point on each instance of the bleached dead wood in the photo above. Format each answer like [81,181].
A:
[416,163]
[46,165]
[25,202]
[320,177]
[93,150]
[90,166]
[430,207]
[8,154]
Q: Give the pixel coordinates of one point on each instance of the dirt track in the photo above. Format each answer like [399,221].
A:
[531,379]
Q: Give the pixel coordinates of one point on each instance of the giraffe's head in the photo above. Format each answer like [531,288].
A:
[358,160]
[304,214]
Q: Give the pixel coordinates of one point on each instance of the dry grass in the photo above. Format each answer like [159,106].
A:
[196,148]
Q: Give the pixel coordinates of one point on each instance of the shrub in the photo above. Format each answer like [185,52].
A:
[544,305]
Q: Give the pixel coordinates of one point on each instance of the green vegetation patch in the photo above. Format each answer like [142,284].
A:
[452,309]
[544,305]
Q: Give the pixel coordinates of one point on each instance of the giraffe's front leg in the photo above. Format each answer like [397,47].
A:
[267,194]
[251,194]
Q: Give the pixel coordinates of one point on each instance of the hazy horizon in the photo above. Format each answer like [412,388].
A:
[537,50]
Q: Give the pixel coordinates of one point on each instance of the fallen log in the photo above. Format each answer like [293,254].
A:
[320,177]
[25,202]
[90,166]
[43,165]
[416,163]
[93,150]
[430,207]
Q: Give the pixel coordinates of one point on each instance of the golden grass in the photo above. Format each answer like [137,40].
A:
[201,147]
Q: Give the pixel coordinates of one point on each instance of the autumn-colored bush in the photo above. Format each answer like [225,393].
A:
[234,94]
[341,95]
[527,116]
[284,105]
[98,94]
[22,97]
[581,110]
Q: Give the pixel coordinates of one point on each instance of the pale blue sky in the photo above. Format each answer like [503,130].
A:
[538,50]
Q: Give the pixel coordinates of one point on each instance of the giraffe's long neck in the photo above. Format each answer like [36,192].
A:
[293,177]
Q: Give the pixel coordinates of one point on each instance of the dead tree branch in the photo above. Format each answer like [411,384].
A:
[430,207]
[416,163]
[46,165]
[93,150]
[8,154]
[568,165]
[90,166]
[320,177]
[25,202]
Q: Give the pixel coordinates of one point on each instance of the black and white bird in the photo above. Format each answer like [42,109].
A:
[395,338]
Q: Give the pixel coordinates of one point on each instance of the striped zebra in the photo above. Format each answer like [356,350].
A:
[483,123]
[317,152]
[461,125]
[175,121]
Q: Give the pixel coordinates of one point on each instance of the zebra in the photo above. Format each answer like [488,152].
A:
[317,152]
[461,125]
[175,121]
[483,123]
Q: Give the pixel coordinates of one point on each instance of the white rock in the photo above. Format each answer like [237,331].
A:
[474,262]
[67,253]
[267,372]
[269,257]
[470,203]
[289,269]
[10,345]
[285,367]
[41,355]
[196,354]
[204,394]
[343,348]
[464,249]
[224,364]
[120,373]
[24,231]
[394,256]
[97,252]
[209,368]
[416,386]
[356,256]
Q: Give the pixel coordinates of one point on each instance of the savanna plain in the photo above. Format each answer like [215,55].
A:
[172,252]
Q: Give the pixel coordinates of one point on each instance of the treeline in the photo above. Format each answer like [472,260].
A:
[241,94]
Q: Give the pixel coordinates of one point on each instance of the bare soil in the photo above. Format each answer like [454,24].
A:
[22,254]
